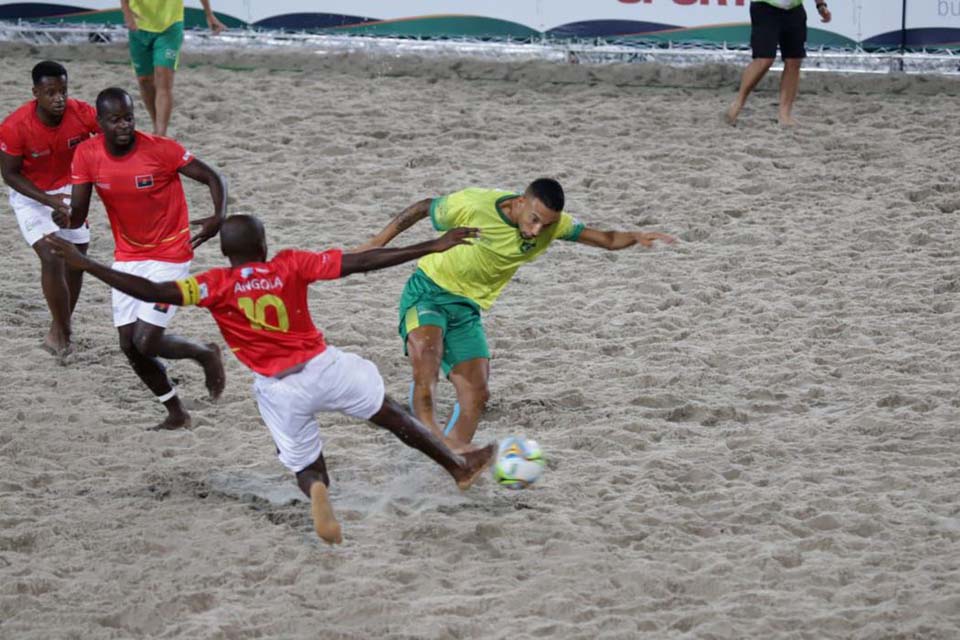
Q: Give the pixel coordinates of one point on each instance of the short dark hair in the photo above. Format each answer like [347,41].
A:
[110,94]
[47,69]
[548,191]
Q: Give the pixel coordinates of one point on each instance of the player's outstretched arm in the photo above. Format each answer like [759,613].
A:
[373,259]
[203,173]
[616,240]
[10,169]
[403,221]
[140,288]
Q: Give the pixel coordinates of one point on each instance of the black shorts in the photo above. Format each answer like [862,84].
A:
[770,26]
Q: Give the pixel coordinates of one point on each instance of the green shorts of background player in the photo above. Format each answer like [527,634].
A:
[441,305]
[149,50]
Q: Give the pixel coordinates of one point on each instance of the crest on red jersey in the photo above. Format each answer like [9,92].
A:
[144,182]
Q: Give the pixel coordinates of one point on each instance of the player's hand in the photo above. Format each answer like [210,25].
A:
[60,203]
[209,227]
[454,237]
[64,249]
[215,25]
[647,238]
[824,12]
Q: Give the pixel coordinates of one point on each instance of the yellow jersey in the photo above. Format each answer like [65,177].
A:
[481,270]
[156,16]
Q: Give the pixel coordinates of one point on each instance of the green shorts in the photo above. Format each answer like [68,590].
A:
[149,49]
[424,302]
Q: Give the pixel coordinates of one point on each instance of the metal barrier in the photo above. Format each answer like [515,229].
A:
[944,62]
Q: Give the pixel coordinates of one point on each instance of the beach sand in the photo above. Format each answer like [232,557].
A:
[750,434]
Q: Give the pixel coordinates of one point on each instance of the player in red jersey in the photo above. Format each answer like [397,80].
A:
[37,142]
[137,176]
[261,309]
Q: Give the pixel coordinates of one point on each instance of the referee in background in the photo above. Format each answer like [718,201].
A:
[776,23]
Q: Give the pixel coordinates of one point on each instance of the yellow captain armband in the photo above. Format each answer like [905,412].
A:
[190,289]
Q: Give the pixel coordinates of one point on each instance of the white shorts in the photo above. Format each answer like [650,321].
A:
[332,381]
[127,309]
[36,220]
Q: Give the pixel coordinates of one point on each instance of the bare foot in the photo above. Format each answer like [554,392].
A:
[215,378]
[324,522]
[49,346]
[57,348]
[174,422]
[788,121]
[730,115]
[475,462]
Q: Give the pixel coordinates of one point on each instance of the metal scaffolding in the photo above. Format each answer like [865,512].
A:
[944,62]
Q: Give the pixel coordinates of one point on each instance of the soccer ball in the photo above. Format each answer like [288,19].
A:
[519,463]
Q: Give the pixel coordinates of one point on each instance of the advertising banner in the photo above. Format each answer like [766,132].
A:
[933,23]
[867,23]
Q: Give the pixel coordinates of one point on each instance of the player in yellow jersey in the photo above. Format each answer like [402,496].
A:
[156,35]
[441,305]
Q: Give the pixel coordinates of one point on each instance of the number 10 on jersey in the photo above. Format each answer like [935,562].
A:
[256,312]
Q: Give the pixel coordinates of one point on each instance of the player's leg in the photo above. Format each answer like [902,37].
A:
[130,315]
[464,467]
[470,380]
[764,34]
[344,382]
[150,337]
[141,57]
[166,59]
[53,282]
[425,350]
[154,375]
[153,341]
[750,78]
[75,279]
[163,81]
[81,238]
[314,483]
[423,323]
[288,414]
[35,221]
[466,362]
[789,85]
[148,93]
[793,39]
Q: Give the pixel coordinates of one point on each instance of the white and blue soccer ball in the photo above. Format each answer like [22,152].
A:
[519,463]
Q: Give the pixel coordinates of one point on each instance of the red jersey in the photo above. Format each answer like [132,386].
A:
[142,194]
[261,307]
[47,151]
